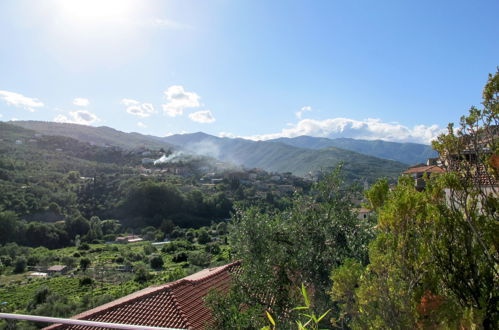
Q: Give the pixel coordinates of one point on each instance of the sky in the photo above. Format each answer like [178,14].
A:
[393,70]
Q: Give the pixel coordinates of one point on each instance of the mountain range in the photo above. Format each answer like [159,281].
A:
[303,155]
[407,153]
[280,157]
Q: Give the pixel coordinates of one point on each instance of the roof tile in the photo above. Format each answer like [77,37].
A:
[177,304]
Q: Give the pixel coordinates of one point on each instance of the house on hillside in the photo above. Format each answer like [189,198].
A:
[178,304]
[57,269]
[363,213]
[422,171]
[129,239]
[37,274]
[477,159]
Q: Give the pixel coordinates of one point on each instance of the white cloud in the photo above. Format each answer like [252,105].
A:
[19,100]
[128,102]
[141,124]
[302,110]
[81,102]
[227,135]
[82,117]
[368,129]
[178,100]
[137,108]
[204,117]
[62,119]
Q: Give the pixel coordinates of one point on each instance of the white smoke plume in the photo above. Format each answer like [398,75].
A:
[204,148]
[175,157]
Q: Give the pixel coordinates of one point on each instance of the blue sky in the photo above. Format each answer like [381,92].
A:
[394,70]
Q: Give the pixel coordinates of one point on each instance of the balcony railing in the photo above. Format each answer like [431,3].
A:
[58,320]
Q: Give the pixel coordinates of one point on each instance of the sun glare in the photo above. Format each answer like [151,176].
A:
[96,11]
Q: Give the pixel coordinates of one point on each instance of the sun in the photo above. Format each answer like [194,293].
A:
[96,12]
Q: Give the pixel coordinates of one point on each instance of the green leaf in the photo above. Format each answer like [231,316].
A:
[270,318]
[323,315]
[305,295]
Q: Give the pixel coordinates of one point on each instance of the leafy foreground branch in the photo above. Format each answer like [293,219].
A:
[434,263]
[283,249]
[310,321]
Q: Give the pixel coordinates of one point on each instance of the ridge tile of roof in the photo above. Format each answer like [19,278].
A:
[425,169]
[177,304]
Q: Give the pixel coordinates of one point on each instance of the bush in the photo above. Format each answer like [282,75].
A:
[135,256]
[203,237]
[6,261]
[20,265]
[84,263]
[169,248]
[190,236]
[33,260]
[84,246]
[199,258]
[156,262]
[149,249]
[213,248]
[86,281]
[222,228]
[109,237]
[141,273]
[180,257]
[176,233]
[119,260]
[69,261]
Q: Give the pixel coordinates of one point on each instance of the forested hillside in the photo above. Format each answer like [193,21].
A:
[407,153]
[45,179]
[279,157]
[96,135]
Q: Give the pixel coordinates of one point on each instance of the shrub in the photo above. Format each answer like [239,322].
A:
[203,237]
[141,273]
[84,246]
[20,265]
[149,249]
[33,260]
[119,260]
[180,257]
[168,248]
[213,248]
[84,263]
[86,281]
[199,258]
[156,262]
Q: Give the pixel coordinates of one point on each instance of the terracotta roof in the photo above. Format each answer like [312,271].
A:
[177,304]
[425,169]
[482,178]
[477,172]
